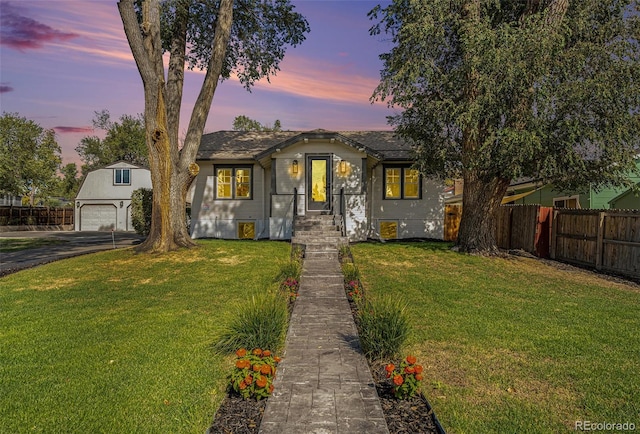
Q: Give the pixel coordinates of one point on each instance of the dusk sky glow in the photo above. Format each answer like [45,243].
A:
[62,60]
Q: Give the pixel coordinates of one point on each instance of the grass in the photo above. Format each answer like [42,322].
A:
[119,342]
[513,345]
[15,244]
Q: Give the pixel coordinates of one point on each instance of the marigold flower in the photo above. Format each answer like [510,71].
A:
[419,377]
[262,381]
[390,367]
[277,359]
[418,369]
[241,364]
[271,388]
[411,360]
[241,352]
[265,369]
[257,351]
[266,353]
[242,385]
[248,379]
[398,380]
[257,367]
[409,370]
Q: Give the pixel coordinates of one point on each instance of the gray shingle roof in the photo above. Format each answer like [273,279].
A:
[384,145]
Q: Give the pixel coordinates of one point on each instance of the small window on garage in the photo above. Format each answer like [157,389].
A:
[388,230]
[246,230]
[122,177]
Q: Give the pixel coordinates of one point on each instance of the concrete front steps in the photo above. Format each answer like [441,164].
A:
[319,234]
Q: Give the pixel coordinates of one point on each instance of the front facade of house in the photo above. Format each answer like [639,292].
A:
[104,199]
[252,184]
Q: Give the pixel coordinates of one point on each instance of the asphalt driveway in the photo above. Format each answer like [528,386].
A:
[72,244]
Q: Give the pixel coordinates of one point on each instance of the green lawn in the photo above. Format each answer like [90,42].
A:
[121,343]
[512,345]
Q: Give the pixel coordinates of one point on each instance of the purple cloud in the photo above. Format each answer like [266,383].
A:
[4,87]
[22,33]
[64,130]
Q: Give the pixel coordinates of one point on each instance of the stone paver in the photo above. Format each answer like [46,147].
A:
[323,384]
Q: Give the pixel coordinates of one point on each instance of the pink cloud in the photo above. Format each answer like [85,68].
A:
[21,32]
[67,130]
[4,87]
[321,80]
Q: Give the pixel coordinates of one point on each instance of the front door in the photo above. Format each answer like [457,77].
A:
[319,183]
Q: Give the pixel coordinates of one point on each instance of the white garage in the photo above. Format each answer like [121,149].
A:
[98,218]
[104,199]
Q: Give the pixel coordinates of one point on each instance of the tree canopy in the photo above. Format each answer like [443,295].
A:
[245,123]
[124,140]
[244,38]
[493,91]
[29,157]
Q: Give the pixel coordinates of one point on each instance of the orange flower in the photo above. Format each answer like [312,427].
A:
[242,385]
[409,370]
[398,380]
[241,364]
[411,360]
[257,351]
[241,352]
[419,377]
[266,353]
[277,359]
[266,369]
[418,369]
[256,368]
[390,367]
[262,381]
[248,379]
[271,388]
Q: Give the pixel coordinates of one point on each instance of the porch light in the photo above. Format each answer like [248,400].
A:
[342,167]
[294,168]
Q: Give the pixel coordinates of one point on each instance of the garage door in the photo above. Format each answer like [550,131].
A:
[98,218]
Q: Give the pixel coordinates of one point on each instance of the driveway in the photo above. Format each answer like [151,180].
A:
[72,244]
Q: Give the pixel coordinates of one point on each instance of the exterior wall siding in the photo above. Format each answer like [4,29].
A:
[219,218]
[419,218]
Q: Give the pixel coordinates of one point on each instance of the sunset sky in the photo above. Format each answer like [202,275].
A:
[62,60]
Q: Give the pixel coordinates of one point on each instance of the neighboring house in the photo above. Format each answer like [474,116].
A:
[252,184]
[531,192]
[7,199]
[104,199]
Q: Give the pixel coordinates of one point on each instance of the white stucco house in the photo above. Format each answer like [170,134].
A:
[253,184]
[104,199]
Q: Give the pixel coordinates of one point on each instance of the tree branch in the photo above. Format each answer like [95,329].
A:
[134,37]
[214,68]
[175,74]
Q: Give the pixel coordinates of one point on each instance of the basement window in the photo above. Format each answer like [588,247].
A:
[388,230]
[246,230]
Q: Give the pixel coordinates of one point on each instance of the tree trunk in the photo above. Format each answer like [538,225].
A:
[481,200]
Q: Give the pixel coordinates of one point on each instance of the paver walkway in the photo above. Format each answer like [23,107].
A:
[323,384]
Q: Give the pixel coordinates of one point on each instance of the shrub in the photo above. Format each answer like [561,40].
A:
[384,327]
[141,203]
[406,379]
[254,373]
[350,272]
[260,322]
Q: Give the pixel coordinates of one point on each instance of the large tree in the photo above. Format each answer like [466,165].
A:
[245,37]
[124,140]
[493,91]
[29,157]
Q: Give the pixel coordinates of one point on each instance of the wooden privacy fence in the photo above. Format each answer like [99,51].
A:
[607,240]
[35,216]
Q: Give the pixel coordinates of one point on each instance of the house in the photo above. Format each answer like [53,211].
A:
[104,199]
[253,184]
[533,192]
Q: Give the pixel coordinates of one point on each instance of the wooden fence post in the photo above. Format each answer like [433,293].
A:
[554,234]
[599,240]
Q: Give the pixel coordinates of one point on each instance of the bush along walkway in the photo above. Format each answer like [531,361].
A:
[323,383]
